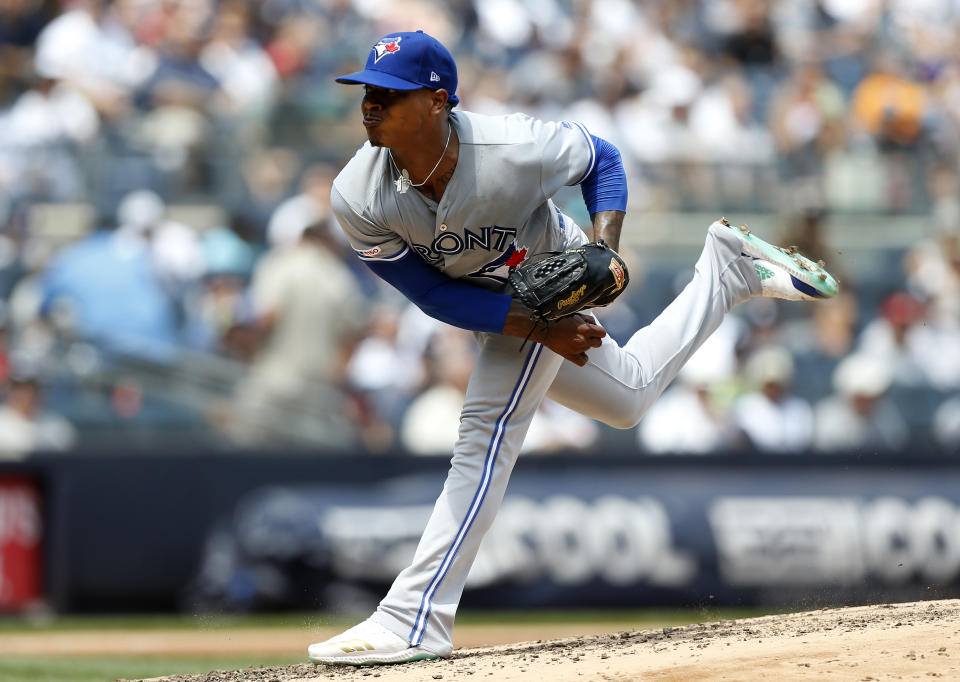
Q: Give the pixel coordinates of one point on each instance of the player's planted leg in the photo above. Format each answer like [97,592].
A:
[416,616]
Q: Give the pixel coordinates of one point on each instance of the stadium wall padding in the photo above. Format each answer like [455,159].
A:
[226,531]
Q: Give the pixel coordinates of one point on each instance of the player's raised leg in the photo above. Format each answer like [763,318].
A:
[415,619]
[618,385]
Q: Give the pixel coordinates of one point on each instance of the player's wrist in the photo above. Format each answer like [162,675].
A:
[521,322]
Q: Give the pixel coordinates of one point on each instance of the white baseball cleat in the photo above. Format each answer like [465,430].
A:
[784,272]
[368,643]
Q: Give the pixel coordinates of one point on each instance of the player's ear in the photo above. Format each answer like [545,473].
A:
[438,101]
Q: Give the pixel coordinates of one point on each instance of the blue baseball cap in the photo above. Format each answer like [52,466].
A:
[408,61]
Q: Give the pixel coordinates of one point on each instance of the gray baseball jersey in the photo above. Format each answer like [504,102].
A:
[496,210]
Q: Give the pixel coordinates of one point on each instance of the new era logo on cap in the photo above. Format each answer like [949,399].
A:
[434,77]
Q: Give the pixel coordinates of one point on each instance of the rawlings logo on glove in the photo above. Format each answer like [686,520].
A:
[564,283]
[574,298]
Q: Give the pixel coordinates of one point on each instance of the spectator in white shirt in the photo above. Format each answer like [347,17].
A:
[773,419]
[857,417]
[25,427]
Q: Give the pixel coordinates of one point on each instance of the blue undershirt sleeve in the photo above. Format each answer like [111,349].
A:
[448,300]
[605,188]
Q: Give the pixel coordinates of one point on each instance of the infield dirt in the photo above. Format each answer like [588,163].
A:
[915,641]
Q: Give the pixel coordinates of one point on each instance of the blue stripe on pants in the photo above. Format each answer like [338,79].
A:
[420,623]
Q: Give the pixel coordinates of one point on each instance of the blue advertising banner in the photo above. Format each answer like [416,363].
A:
[582,534]
[193,531]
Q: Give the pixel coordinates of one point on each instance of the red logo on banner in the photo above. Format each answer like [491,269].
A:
[21,532]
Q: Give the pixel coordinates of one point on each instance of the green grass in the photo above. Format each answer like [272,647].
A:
[167,622]
[104,669]
[668,616]
[97,668]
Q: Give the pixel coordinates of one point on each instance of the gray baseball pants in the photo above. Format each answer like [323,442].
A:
[615,387]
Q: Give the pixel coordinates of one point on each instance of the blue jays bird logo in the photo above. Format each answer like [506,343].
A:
[385,47]
[499,268]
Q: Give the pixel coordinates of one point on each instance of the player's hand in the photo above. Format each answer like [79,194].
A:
[572,336]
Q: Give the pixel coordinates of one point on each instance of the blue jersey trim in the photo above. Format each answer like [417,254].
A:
[593,151]
[444,298]
[426,601]
[605,188]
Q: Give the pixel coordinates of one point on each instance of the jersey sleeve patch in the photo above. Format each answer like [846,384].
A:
[375,253]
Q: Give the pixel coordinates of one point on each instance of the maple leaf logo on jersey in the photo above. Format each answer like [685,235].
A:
[499,268]
[385,47]
[516,256]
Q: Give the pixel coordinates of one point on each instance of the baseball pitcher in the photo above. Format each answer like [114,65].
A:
[454,209]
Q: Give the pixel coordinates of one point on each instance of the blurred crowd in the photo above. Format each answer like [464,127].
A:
[194,287]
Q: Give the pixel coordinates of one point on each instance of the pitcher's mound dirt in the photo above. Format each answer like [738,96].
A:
[916,641]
